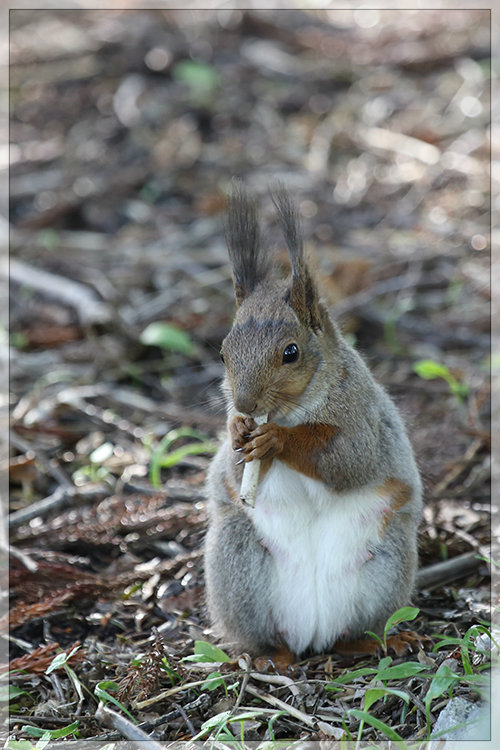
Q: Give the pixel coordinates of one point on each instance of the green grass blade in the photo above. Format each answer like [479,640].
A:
[101,691]
[378,724]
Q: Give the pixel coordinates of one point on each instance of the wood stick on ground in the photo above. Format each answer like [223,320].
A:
[65,290]
[276,679]
[309,721]
[42,459]
[449,570]
[458,467]
[61,498]
[201,703]
[113,720]
[23,558]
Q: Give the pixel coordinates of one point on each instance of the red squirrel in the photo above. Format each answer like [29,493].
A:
[329,549]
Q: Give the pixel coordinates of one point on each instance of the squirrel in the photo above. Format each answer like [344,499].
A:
[329,549]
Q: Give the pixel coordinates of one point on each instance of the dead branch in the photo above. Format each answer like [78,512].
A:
[449,570]
[72,293]
[61,498]
[113,720]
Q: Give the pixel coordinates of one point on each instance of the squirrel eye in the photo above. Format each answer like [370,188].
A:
[291,354]
[221,356]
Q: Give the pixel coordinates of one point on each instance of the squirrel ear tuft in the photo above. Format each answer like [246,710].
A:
[304,298]
[251,264]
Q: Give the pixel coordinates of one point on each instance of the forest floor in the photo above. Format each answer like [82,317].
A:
[126,128]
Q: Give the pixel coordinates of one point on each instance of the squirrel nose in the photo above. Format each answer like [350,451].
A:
[245,404]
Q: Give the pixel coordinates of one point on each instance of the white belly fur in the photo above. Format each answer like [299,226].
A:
[318,540]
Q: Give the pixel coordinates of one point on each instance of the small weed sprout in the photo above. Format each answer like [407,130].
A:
[428,369]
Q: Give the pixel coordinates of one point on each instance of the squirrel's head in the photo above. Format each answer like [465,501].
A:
[276,343]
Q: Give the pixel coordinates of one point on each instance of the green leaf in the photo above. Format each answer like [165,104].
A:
[9,692]
[344,679]
[428,369]
[60,660]
[400,671]
[223,719]
[213,681]
[440,683]
[172,674]
[374,694]
[405,614]
[191,449]
[378,724]
[199,76]
[101,690]
[20,745]
[206,652]
[53,734]
[166,336]
[384,664]
[162,459]
[219,720]
[375,637]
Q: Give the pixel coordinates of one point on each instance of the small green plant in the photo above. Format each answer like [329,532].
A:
[11,692]
[206,652]
[202,79]
[102,689]
[429,369]
[440,683]
[95,471]
[405,614]
[18,340]
[163,458]
[221,724]
[28,745]
[52,734]
[443,681]
[172,675]
[466,646]
[60,661]
[166,336]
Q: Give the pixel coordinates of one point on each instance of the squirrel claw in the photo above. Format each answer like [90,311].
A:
[281,661]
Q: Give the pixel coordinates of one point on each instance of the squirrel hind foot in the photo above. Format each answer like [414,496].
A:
[404,642]
[280,660]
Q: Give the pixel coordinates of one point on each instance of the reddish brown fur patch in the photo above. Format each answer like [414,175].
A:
[398,493]
[280,661]
[302,444]
[401,643]
[299,447]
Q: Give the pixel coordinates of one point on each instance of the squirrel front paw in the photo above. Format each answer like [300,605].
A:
[240,429]
[265,441]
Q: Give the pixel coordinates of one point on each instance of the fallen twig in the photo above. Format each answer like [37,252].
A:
[310,721]
[449,570]
[388,286]
[201,703]
[61,498]
[72,293]
[114,720]
[23,558]
[166,693]
[458,467]
[41,458]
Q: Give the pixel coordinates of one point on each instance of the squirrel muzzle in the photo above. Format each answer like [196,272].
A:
[245,403]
